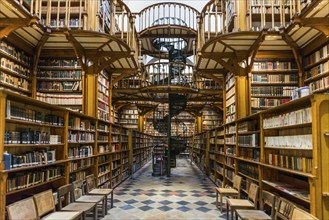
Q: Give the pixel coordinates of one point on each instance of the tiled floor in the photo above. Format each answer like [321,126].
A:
[187,194]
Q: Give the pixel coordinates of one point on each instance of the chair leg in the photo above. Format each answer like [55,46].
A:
[95,212]
[232,212]
[221,203]
[112,199]
[227,211]
[106,210]
[216,199]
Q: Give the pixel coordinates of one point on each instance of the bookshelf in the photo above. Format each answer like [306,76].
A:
[15,69]
[81,146]
[282,149]
[115,141]
[271,14]
[198,154]
[272,83]
[142,147]
[210,119]
[64,14]
[230,98]
[103,110]
[128,117]
[32,146]
[60,82]
[317,70]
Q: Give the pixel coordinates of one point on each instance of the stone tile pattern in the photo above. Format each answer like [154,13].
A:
[187,194]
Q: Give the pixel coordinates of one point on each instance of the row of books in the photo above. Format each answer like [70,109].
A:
[277,78]
[269,2]
[250,154]
[248,169]
[60,99]
[61,23]
[59,74]
[29,136]
[249,140]
[103,97]
[81,124]
[129,116]
[81,137]
[248,126]
[103,115]
[103,138]
[321,84]
[103,179]
[230,118]
[17,111]
[292,141]
[267,102]
[230,150]
[80,151]
[103,127]
[102,148]
[104,159]
[103,107]
[13,52]
[103,80]
[14,81]
[52,62]
[291,118]
[291,162]
[229,93]
[230,101]
[276,9]
[229,174]
[103,89]
[37,157]
[81,175]
[59,86]
[317,55]
[230,81]
[80,164]
[103,169]
[230,129]
[14,67]
[319,69]
[274,65]
[24,180]
[131,121]
[273,91]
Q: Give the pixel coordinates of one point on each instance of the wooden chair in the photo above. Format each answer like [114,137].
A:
[92,190]
[81,197]
[23,209]
[229,192]
[250,203]
[284,209]
[67,191]
[45,204]
[268,200]
[298,214]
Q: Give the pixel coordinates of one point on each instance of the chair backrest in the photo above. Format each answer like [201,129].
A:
[78,189]
[253,193]
[65,191]
[90,182]
[284,209]
[237,180]
[44,202]
[23,209]
[269,199]
[298,214]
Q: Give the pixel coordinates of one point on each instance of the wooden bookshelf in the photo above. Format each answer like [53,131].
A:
[282,149]
[60,82]
[128,117]
[103,110]
[15,69]
[272,83]
[317,70]
[210,119]
[271,14]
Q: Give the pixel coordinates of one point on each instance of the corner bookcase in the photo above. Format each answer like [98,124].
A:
[283,149]
[43,146]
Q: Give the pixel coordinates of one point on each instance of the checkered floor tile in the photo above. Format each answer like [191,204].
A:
[187,194]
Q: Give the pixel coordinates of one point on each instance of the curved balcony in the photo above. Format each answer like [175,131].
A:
[171,21]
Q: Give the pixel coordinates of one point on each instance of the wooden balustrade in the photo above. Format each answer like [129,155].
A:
[170,13]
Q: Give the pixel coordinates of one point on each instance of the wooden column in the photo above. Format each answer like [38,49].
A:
[90,95]
[3,176]
[207,162]
[241,14]
[199,124]
[242,97]
[141,123]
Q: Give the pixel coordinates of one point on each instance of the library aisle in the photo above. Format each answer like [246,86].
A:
[187,194]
